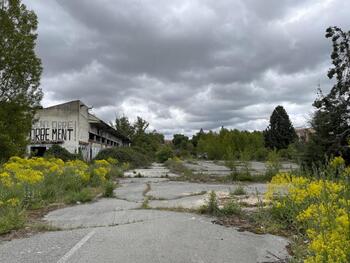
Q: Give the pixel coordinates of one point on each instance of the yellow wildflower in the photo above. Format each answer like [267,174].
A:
[12,202]
[101,172]
[337,162]
[112,161]
[5,179]
[102,162]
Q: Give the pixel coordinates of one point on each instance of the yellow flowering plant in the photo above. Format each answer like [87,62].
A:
[318,207]
[28,183]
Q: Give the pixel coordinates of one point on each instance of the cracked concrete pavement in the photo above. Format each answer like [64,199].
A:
[117,230]
[218,168]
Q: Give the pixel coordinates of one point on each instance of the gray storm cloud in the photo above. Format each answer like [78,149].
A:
[185,65]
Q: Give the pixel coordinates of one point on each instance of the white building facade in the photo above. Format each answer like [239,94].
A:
[71,126]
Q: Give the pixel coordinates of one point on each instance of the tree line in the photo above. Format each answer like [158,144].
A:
[20,97]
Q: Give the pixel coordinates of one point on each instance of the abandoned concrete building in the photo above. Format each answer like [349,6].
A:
[73,127]
[304,134]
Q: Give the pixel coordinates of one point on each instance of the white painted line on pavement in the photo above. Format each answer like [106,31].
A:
[76,247]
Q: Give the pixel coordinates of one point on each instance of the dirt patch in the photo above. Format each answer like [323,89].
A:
[242,224]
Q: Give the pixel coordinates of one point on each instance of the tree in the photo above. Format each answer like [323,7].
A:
[123,126]
[280,132]
[145,142]
[331,121]
[20,71]
[140,126]
[196,137]
[180,141]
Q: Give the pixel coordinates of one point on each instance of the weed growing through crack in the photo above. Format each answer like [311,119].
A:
[239,190]
[145,204]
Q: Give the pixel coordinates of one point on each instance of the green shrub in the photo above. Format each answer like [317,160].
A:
[56,151]
[292,152]
[273,164]
[176,166]
[116,172]
[239,190]
[230,208]
[165,153]
[261,154]
[233,176]
[11,218]
[108,188]
[125,155]
[245,176]
[213,207]
[85,195]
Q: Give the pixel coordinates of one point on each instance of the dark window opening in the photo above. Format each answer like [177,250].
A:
[38,151]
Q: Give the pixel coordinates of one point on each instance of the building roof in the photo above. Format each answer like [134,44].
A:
[103,125]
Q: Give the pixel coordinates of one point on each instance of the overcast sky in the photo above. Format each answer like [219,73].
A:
[185,65]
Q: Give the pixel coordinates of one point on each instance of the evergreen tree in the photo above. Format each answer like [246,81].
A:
[331,121]
[20,71]
[280,132]
[196,137]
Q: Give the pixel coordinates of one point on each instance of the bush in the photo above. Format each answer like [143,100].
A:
[230,208]
[261,154]
[317,209]
[56,151]
[125,155]
[83,196]
[108,188]
[165,153]
[10,218]
[239,190]
[32,183]
[273,164]
[212,207]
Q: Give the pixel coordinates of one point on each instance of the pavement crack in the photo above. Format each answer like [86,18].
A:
[147,189]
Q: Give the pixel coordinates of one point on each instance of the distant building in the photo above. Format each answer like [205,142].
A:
[72,126]
[304,134]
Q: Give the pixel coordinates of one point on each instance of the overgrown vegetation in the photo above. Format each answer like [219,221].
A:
[130,155]
[143,141]
[315,208]
[242,172]
[212,208]
[37,182]
[164,153]
[57,151]
[227,144]
[239,190]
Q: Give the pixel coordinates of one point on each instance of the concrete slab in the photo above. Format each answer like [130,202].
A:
[172,190]
[207,167]
[176,238]
[156,171]
[101,213]
[190,202]
[41,248]
[182,238]
[218,168]
[131,191]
